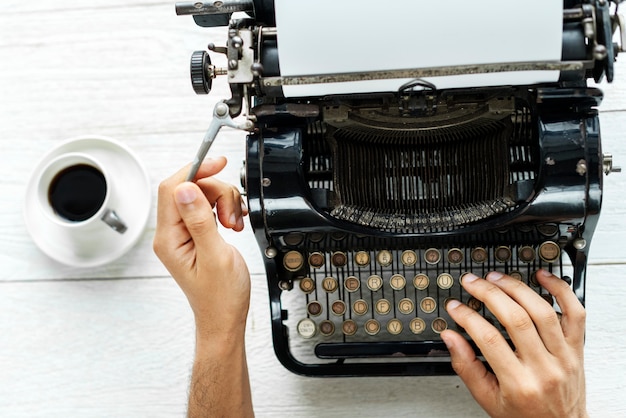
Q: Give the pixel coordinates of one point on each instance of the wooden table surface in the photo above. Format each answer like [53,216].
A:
[117,341]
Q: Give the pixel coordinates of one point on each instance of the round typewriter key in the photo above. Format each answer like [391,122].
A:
[316,260]
[330,284]
[549,251]
[394,326]
[352,284]
[408,258]
[421,281]
[372,327]
[428,305]
[406,306]
[455,256]
[349,327]
[338,307]
[548,298]
[503,254]
[360,307]
[374,283]
[327,328]
[314,308]
[517,275]
[432,256]
[548,230]
[526,254]
[293,238]
[306,328]
[293,261]
[417,325]
[307,285]
[384,258]
[397,282]
[316,236]
[475,304]
[479,255]
[533,280]
[339,259]
[439,325]
[382,306]
[362,258]
[445,281]
[338,236]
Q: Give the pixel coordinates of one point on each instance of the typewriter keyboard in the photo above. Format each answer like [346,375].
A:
[397,295]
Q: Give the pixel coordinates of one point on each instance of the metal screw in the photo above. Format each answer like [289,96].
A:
[271,252]
[581,167]
[266,182]
[580,243]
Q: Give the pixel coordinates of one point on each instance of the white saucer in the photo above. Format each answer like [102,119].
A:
[133,196]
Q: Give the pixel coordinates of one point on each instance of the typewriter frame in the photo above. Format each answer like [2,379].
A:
[275,166]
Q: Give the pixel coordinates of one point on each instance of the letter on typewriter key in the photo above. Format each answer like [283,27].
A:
[445,281]
[503,254]
[439,325]
[349,327]
[549,251]
[394,326]
[384,258]
[517,275]
[432,256]
[382,306]
[526,254]
[360,307]
[339,259]
[293,261]
[428,305]
[316,260]
[409,258]
[475,304]
[306,328]
[417,325]
[307,285]
[338,307]
[479,255]
[352,284]
[372,327]
[421,281]
[455,256]
[330,284]
[314,308]
[406,306]
[327,328]
[362,258]
[374,283]
[397,282]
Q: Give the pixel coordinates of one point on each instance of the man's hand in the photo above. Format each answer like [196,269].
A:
[216,281]
[544,376]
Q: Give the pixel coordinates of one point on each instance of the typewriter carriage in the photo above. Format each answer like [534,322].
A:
[498,169]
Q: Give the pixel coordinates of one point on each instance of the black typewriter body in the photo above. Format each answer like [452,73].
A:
[369,208]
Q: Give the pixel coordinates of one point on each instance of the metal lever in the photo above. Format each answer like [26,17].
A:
[621,23]
[221,118]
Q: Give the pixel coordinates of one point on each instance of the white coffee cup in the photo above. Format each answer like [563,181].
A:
[75,192]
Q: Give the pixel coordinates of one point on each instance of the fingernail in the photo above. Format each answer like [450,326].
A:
[185,194]
[448,344]
[468,278]
[452,303]
[494,275]
[232,220]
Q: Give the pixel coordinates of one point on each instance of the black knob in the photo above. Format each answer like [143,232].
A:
[201,79]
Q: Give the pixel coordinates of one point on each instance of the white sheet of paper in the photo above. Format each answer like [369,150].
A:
[342,36]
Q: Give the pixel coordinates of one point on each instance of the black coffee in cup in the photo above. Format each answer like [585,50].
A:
[77,192]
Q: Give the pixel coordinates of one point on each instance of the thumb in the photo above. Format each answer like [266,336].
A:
[197,214]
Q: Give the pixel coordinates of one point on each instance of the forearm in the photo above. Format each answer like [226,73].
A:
[219,382]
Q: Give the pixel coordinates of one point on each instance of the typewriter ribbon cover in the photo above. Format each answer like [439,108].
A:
[393,147]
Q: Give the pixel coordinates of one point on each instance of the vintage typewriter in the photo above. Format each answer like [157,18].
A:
[368,207]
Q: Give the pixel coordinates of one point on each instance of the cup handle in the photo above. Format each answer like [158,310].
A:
[113,220]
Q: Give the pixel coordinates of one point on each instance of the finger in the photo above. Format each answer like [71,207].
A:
[509,313]
[573,312]
[542,314]
[489,340]
[482,384]
[227,200]
[197,215]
